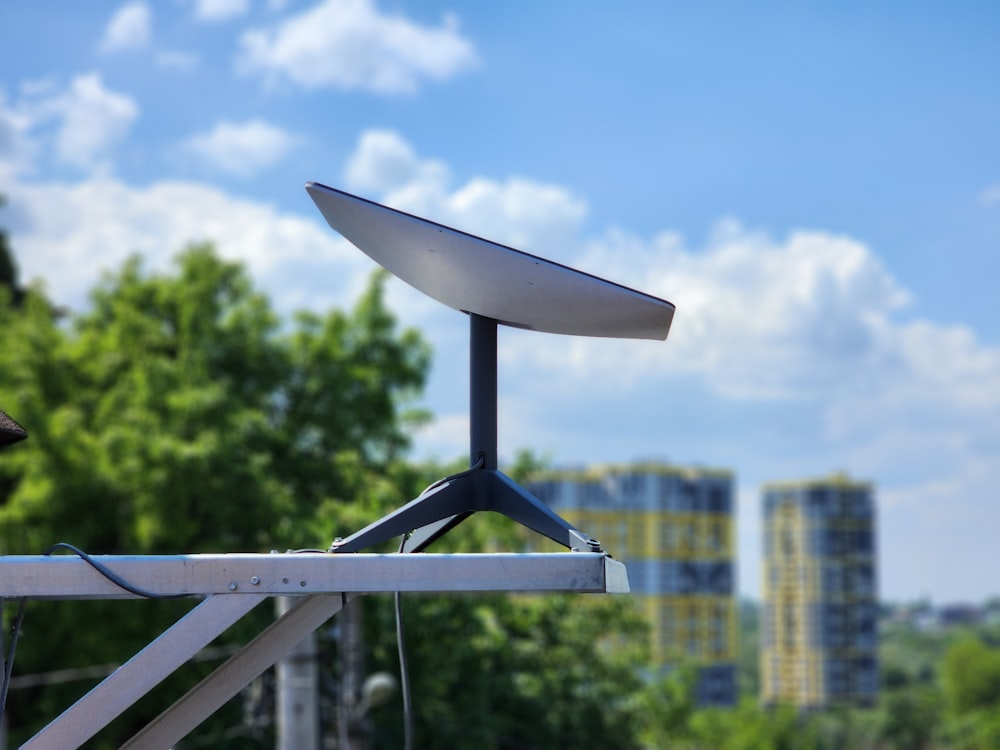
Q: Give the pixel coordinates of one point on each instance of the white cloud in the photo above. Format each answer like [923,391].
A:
[220,10]
[79,126]
[101,222]
[813,321]
[526,214]
[241,148]
[129,28]
[17,150]
[521,212]
[349,44]
[382,160]
[749,307]
[94,120]
[177,60]
[38,87]
[991,195]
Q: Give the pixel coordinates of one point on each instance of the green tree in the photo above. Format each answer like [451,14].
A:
[509,672]
[909,716]
[971,676]
[9,285]
[667,706]
[751,726]
[177,414]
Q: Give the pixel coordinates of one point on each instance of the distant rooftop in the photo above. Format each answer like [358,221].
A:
[659,468]
[838,479]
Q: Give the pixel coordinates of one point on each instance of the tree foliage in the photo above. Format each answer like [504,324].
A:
[9,283]
[178,414]
[971,675]
[506,672]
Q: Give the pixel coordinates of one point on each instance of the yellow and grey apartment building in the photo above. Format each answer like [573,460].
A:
[673,528]
[819,624]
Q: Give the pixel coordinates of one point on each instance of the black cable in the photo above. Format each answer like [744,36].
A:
[480,463]
[111,575]
[404,669]
[7,663]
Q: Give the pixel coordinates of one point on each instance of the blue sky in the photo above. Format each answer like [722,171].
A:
[816,186]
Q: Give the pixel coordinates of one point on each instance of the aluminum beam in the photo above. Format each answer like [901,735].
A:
[69,577]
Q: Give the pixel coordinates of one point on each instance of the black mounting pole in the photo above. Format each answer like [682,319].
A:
[446,504]
[482,390]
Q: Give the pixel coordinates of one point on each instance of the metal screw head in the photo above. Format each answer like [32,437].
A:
[233,585]
[255,580]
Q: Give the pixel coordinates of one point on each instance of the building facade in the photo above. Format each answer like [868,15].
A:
[819,621]
[673,528]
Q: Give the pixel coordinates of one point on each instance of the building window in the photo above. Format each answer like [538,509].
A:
[787,542]
[689,496]
[721,500]
[715,537]
[666,537]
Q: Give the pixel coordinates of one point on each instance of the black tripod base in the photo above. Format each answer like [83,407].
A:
[444,506]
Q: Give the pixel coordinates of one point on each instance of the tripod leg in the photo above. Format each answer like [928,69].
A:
[425,536]
[515,502]
[443,503]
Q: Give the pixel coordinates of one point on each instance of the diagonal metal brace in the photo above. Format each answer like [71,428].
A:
[144,671]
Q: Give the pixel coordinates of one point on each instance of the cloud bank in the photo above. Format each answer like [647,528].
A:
[78,126]
[350,45]
[130,28]
[241,149]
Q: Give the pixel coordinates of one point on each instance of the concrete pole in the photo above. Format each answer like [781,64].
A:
[350,720]
[297,692]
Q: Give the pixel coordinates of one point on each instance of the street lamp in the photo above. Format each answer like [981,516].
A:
[376,691]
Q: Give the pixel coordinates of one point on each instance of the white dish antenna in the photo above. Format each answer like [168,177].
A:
[474,275]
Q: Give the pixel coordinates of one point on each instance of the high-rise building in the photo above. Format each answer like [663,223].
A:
[673,528]
[819,624]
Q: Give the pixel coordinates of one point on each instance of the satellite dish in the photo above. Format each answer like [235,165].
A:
[474,275]
[495,285]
